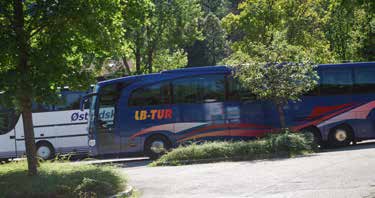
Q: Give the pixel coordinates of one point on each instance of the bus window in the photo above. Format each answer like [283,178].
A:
[108,98]
[36,108]
[69,101]
[364,79]
[150,95]
[7,119]
[200,89]
[336,81]
[237,92]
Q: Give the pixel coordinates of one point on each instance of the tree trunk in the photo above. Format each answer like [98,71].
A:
[138,60]
[150,59]
[127,66]
[24,93]
[28,129]
[281,116]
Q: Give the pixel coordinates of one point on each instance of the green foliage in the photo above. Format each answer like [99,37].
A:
[159,25]
[276,145]
[166,60]
[289,142]
[325,31]
[65,39]
[60,180]
[350,29]
[279,82]
[214,39]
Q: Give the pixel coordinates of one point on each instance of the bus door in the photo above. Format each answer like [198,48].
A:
[7,134]
[107,140]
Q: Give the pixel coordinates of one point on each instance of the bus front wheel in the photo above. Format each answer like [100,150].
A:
[340,136]
[45,150]
[156,146]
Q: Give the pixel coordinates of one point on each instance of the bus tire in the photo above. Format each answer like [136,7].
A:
[45,150]
[340,136]
[156,146]
[315,134]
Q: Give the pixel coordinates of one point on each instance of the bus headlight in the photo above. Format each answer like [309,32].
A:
[92,143]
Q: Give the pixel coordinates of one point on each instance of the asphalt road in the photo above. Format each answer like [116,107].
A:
[348,172]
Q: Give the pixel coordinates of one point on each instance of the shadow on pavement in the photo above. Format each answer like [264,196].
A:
[358,146]
[134,164]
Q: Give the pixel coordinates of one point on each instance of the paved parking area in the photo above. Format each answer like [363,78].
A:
[348,172]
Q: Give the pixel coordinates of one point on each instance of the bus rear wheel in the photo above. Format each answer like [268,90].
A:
[340,136]
[156,146]
[45,150]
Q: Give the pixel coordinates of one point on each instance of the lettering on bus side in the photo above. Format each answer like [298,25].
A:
[153,114]
[105,114]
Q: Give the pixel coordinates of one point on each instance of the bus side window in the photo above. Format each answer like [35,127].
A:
[7,120]
[69,101]
[157,94]
[237,92]
[364,79]
[41,108]
[199,89]
[336,81]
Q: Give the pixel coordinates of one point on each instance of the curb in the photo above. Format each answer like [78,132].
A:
[281,155]
[126,193]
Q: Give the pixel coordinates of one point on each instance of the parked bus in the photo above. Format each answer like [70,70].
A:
[158,111]
[58,128]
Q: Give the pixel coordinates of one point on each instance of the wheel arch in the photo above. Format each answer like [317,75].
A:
[314,129]
[45,142]
[156,134]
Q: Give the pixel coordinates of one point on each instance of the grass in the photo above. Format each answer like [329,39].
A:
[60,180]
[275,145]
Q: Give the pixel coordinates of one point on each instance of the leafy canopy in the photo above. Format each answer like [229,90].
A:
[278,82]
[65,39]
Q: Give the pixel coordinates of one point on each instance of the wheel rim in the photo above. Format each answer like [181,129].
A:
[44,152]
[157,147]
[341,135]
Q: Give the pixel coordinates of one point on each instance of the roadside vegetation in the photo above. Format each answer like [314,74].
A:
[286,144]
[60,180]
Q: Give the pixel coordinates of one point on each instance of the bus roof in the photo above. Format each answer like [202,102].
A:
[175,72]
[207,70]
[357,64]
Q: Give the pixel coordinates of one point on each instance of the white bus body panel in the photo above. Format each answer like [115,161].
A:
[66,131]
[7,145]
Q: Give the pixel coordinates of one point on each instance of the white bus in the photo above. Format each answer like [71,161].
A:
[58,129]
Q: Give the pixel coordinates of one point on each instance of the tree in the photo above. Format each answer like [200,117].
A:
[278,82]
[279,72]
[153,25]
[214,39]
[350,29]
[259,22]
[46,44]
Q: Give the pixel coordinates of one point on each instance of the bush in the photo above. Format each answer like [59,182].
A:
[60,180]
[275,145]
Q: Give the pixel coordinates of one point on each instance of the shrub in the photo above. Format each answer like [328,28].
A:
[60,180]
[274,145]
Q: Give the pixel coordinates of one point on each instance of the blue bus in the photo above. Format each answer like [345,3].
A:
[154,112]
